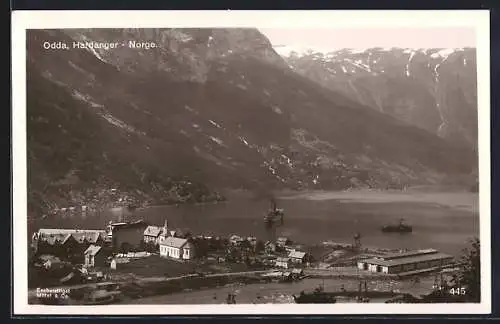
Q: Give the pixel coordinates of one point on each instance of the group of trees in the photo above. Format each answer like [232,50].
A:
[203,247]
[151,247]
[465,285]
[469,277]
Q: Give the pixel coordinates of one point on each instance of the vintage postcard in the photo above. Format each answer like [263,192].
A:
[257,162]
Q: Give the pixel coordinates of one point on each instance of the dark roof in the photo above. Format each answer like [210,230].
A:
[408,260]
[136,224]
[62,236]
[153,231]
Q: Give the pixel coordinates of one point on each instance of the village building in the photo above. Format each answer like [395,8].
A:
[127,236]
[282,241]
[61,233]
[297,256]
[51,262]
[94,256]
[252,240]
[297,273]
[235,240]
[177,248]
[270,247]
[152,234]
[65,242]
[409,262]
[292,247]
[116,262]
[113,264]
[283,262]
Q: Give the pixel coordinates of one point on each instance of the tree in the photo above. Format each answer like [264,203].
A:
[143,245]
[469,277]
[245,245]
[259,246]
[125,247]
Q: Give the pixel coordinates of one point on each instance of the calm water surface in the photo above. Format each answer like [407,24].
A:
[444,221]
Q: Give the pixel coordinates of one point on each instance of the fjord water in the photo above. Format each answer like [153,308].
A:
[443,221]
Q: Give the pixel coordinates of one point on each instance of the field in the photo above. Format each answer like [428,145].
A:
[156,266]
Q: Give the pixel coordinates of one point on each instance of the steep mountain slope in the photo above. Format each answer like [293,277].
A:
[204,110]
[434,89]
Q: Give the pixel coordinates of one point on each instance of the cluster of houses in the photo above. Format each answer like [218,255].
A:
[96,248]
[93,248]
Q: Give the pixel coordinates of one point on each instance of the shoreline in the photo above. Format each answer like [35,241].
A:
[146,287]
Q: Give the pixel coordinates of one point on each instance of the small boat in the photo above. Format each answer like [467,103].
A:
[318,296]
[103,297]
[399,228]
[132,207]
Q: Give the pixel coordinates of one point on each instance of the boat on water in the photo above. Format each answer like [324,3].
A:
[397,228]
[103,297]
[274,214]
[318,296]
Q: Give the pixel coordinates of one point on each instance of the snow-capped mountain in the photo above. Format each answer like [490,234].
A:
[434,89]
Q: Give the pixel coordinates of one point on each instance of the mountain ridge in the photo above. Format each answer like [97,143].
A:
[211,109]
[434,89]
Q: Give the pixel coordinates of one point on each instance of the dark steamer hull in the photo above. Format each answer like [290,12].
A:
[317,298]
[397,229]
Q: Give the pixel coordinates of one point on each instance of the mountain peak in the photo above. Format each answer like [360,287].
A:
[432,88]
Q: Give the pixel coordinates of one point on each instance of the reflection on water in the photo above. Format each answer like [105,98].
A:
[307,221]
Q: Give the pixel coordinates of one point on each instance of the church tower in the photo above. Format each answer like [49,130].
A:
[165,228]
[164,232]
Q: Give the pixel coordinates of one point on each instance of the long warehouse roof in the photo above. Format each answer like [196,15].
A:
[409,259]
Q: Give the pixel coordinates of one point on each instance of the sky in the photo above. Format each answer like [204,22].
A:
[362,38]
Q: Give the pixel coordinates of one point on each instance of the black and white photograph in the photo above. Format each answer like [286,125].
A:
[237,162]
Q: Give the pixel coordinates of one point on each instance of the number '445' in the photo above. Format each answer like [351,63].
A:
[458,291]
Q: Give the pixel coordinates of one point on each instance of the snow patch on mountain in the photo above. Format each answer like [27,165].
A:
[445,52]
[359,64]
[407,68]
[214,123]
[217,140]
[288,50]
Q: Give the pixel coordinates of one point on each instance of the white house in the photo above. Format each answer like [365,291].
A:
[283,262]
[177,248]
[297,256]
[152,234]
[235,240]
[282,241]
[94,256]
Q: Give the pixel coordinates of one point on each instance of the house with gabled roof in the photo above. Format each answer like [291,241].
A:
[282,241]
[94,256]
[152,234]
[65,242]
[297,256]
[283,262]
[177,248]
